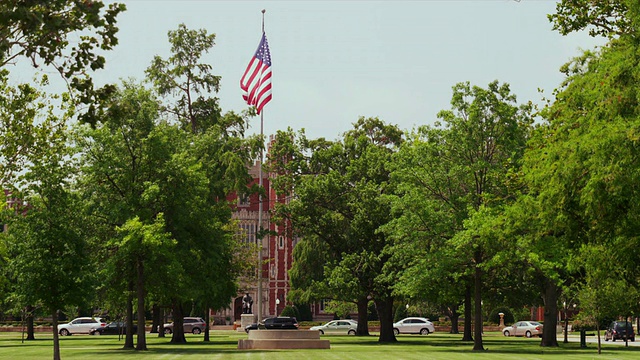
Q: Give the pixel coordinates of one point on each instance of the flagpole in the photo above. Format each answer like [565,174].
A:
[260,207]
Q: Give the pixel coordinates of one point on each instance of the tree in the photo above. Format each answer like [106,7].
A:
[337,206]
[47,242]
[183,76]
[447,173]
[582,165]
[217,144]
[148,247]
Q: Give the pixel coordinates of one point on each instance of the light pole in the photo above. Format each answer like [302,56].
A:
[277,306]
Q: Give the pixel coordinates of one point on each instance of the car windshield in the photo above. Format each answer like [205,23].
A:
[623,324]
[535,323]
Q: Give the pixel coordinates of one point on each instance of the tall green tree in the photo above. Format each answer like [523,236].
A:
[217,143]
[447,173]
[47,241]
[337,200]
[124,159]
[583,165]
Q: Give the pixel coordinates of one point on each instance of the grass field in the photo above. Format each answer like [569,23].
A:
[223,345]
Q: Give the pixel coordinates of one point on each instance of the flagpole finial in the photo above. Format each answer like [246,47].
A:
[264,11]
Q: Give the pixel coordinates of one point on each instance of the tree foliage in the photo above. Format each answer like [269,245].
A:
[337,208]
[65,34]
[607,18]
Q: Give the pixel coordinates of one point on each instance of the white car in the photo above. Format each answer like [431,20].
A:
[81,325]
[414,325]
[523,328]
[340,327]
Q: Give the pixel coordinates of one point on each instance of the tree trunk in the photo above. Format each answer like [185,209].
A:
[477,330]
[452,313]
[128,337]
[30,329]
[566,326]
[178,323]
[155,314]
[207,319]
[363,317]
[384,306]
[550,333]
[466,336]
[142,340]
[56,339]
[162,319]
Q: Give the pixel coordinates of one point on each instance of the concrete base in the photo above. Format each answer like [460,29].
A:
[283,339]
[245,320]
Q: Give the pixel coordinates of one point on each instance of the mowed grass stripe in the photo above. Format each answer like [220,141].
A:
[223,345]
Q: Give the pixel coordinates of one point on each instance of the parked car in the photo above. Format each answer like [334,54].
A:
[191,324]
[341,327]
[114,328]
[414,325]
[523,328]
[81,325]
[280,322]
[620,330]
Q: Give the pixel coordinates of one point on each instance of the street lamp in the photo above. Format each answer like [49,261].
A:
[277,306]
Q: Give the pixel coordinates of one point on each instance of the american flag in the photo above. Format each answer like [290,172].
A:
[256,81]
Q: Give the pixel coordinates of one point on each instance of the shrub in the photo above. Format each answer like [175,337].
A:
[289,311]
[304,312]
[400,313]
[494,316]
[372,312]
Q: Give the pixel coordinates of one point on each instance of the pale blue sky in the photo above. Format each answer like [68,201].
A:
[334,61]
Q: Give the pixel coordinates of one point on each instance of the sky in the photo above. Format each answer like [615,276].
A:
[335,61]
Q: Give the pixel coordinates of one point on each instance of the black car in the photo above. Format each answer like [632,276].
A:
[280,322]
[620,330]
[114,328]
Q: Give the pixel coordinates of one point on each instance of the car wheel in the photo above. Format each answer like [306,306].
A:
[96,333]
[167,331]
[65,332]
[424,332]
[353,332]
[321,332]
[528,334]
[196,331]
[396,332]
[506,333]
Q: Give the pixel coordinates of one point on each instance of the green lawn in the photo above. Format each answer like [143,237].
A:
[223,345]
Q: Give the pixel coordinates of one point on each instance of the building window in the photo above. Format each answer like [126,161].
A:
[247,232]
[281,242]
[322,304]
[243,200]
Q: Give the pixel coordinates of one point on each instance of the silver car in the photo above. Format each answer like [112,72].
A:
[414,325]
[339,327]
[523,328]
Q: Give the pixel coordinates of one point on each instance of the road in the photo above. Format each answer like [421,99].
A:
[593,340]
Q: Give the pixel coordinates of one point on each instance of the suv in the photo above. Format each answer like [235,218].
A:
[280,322]
[618,330]
[414,325]
[191,324]
[81,325]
